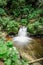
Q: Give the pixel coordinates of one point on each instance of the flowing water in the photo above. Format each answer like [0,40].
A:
[22,38]
[32,48]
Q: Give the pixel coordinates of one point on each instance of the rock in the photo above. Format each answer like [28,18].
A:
[1,63]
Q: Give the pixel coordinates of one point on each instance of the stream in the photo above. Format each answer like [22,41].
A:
[31,51]
[30,48]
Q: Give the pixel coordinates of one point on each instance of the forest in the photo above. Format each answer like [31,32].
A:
[13,15]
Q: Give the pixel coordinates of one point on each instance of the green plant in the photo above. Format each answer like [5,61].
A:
[35,14]
[4,21]
[3,48]
[24,21]
[16,12]
[3,2]
[12,26]
[2,11]
[11,10]
[9,54]
[35,28]
[21,1]
[9,25]
[25,9]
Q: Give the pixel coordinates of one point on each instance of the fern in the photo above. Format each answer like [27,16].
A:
[2,11]
[10,54]
[35,28]
[3,2]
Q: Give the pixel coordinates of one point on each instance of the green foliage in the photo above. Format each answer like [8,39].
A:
[35,13]
[21,1]
[23,21]
[17,3]
[2,11]
[4,21]
[3,2]
[16,12]
[35,28]
[10,54]
[7,62]
[12,26]
[9,25]
[9,44]
[26,10]
[3,49]
[21,10]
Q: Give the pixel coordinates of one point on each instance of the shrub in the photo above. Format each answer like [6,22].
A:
[2,11]
[9,25]
[24,21]
[16,12]
[12,26]
[9,54]
[3,2]
[35,28]
[35,14]
[4,21]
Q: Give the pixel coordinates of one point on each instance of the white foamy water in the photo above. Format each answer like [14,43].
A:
[22,31]
[22,38]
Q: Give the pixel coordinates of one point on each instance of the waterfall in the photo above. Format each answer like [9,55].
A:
[22,38]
